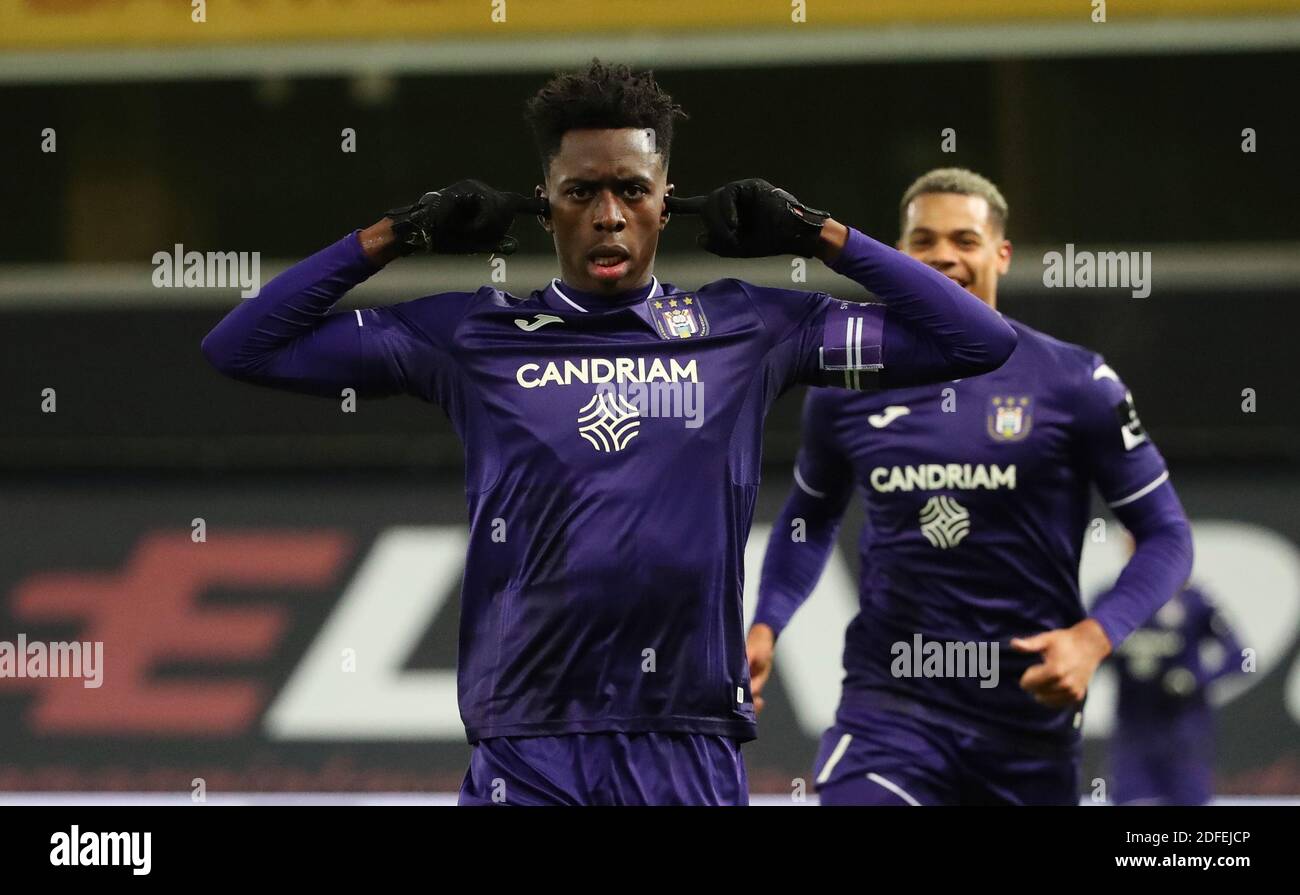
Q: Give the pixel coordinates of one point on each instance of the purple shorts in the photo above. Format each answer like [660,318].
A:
[890,758]
[606,769]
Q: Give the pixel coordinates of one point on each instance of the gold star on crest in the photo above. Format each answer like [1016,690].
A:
[672,302]
[659,304]
[686,300]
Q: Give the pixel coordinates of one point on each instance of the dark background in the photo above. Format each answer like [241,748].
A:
[1115,154]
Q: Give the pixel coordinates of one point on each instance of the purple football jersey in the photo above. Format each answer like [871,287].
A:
[978,496]
[612,454]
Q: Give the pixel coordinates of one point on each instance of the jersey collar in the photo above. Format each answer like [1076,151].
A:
[557,297]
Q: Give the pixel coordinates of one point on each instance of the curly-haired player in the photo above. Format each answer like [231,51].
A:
[612,426]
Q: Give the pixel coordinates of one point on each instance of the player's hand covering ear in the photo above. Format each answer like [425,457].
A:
[752,219]
[1070,656]
[467,217]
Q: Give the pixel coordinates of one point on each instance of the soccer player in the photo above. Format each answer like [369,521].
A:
[967,664]
[1162,751]
[601,650]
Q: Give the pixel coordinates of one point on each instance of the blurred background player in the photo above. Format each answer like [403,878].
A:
[601,644]
[1162,750]
[977,497]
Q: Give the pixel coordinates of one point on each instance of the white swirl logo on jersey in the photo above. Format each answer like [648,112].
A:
[944,522]
[608,422]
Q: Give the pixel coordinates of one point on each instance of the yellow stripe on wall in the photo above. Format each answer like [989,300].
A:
[52,24]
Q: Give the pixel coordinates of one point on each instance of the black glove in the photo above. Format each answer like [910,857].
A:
[751,219]
[467,217]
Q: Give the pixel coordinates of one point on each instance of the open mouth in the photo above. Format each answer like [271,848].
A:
[608,255]
[608,262]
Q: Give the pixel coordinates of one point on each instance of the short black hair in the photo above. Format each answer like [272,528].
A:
[603,96]
[963,182]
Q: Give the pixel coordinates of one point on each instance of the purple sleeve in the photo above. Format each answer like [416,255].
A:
[285,337]
[1158,568]
[927,328]
[803,536]
[1131,475]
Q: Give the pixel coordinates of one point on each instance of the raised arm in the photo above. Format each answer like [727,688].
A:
[925,329]
[933,330]
[288,337]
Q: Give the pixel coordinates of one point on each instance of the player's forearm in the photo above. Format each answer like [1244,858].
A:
[833,237]
[380,243]
[1158,569]
[795,557]
[934,330]
[287,308]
